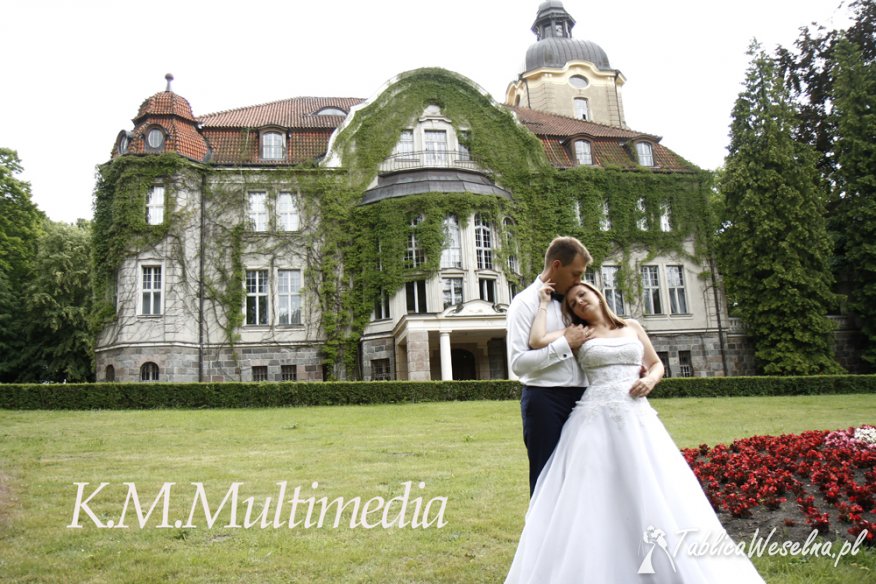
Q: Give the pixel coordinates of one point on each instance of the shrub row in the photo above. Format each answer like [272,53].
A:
[116,396]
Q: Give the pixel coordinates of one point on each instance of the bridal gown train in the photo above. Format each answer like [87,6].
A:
[615,479]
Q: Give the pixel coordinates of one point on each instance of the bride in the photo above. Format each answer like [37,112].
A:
[617,503]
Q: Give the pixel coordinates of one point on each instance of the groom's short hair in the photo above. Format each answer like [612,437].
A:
[565,249]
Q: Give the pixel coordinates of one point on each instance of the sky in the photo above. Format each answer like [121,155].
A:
[75,73]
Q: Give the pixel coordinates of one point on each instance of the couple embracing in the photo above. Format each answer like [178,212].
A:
[612,499]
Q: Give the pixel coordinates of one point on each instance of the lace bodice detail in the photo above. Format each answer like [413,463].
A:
[612,365]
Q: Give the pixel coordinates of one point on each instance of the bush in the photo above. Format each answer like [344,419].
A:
[118,396]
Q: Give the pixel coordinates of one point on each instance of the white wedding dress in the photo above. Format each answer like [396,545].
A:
[617,503]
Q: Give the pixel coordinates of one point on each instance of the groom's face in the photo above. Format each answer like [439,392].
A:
[565,276]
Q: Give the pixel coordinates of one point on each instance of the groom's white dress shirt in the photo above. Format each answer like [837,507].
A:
[551,366]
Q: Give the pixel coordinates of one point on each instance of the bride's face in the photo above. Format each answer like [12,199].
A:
[584,303]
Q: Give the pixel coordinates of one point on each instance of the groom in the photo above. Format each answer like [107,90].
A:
[552,380]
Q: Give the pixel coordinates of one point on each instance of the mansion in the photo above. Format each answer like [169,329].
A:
[319,238]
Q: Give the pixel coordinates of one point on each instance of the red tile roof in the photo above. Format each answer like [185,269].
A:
[165,103]
[297,112]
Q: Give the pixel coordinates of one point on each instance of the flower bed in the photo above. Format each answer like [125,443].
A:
[794,482]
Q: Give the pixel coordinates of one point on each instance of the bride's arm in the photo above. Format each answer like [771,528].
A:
[650,361]
[538,335]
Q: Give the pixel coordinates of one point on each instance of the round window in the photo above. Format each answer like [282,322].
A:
[578,81]
[155,138]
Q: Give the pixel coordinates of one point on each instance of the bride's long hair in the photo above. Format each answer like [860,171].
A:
[569,317]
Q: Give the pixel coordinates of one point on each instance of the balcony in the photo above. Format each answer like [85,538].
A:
[428,159]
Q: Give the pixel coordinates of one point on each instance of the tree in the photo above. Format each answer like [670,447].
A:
[20,224]
[59,303]
[854,216]
[774,248]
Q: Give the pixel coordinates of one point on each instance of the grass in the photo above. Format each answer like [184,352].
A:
[470,452]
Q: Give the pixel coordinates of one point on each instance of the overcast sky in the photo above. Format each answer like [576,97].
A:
[75,73]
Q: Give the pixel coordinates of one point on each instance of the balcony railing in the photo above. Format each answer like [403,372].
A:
[428,159]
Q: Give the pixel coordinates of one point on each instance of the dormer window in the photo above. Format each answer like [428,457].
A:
[273,146]
[124,142]
[155,139]
[582,111]
[583,153]
[645,154]
[331,111]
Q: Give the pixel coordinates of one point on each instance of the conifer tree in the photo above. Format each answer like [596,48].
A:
[854,218]
[774,247]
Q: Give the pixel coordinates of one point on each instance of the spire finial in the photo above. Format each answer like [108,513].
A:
[169,78]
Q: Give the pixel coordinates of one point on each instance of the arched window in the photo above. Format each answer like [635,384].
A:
[583,152]
[149,372]
[645,154]
[273,146]
[110,373]
[483,243]
[331,111]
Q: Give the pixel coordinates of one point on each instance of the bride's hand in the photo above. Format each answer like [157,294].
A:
[642,386]
[544,295]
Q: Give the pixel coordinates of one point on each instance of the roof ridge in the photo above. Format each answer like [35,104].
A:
[277,101]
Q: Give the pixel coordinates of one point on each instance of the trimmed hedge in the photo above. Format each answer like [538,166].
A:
[120,396]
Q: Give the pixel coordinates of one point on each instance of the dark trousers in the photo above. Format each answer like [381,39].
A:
[544,411]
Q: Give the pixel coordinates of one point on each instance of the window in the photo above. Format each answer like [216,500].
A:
[611,290]
[677,298]
[109,373]
[464,153]
[155,140]
[513,289]
[483,243]
[665,218]
[579,216]
[124,142]
[380,370]
[289,300]
[325,372]
[452,291]
[664,358]
[149,372]
[287,212]
[581,111]
[151,305]
[416,296]
[582,152]
[645,154]
[273,146]
[260,373]
[451,255]
[155,206]
[605,220]
[511,245]
[642,221]
[288,372]
[331,111]
[487,288]
[414,254]
[685,365]
[590,276]
[256,297]
[381,306]
[651,290]
[258,212]
[405,147]
[578,81]
[436,147]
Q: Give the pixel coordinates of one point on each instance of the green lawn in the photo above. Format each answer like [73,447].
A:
[469,452]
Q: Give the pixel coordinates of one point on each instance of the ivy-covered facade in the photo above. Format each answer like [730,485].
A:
[318,238]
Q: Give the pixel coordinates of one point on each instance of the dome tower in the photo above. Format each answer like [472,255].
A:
[567,76]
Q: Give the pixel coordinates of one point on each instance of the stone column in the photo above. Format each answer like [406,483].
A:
[446,361]
[419,368]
